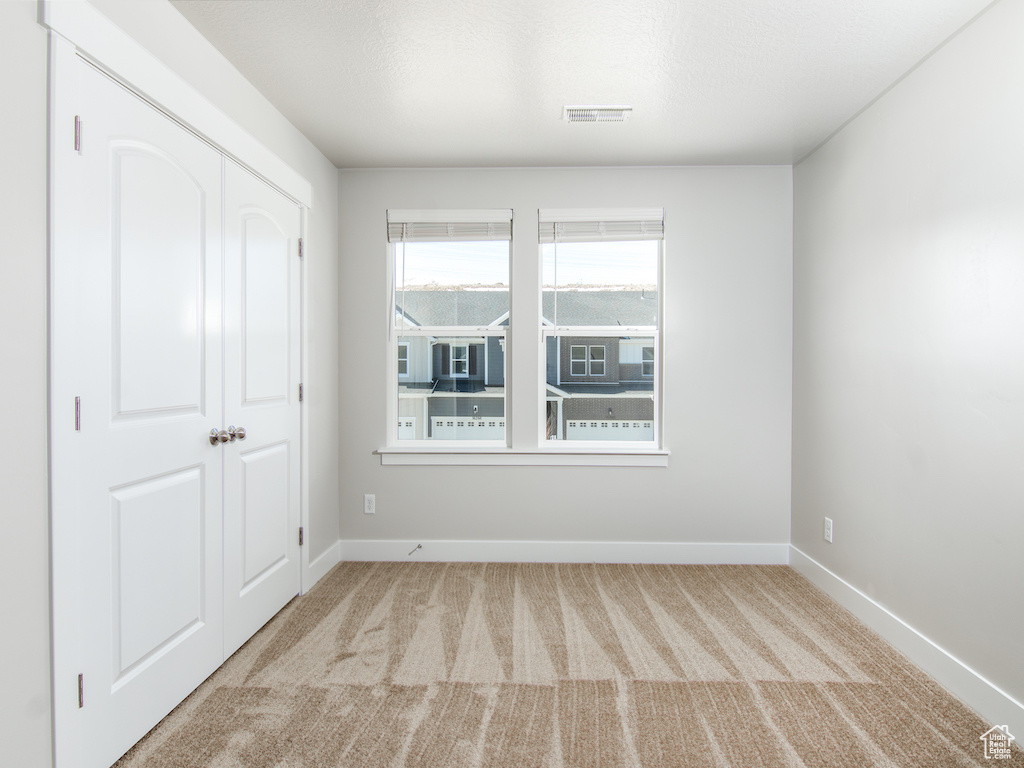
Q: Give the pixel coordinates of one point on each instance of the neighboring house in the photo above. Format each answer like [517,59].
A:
[452,387]
[598,387]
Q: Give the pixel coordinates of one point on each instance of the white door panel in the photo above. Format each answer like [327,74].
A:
[138,586]
[158,282]
[266,258]
[261,357]
[156,531]
[265,533]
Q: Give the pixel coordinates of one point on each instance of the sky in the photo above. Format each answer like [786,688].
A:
[487,263]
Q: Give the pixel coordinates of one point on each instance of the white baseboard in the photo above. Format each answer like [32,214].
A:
[564,552]
[319,567]
[995,706]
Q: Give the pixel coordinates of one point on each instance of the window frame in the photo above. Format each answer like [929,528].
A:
[519,342]
[452,359]
[484,221]
[557,329]
[403,346]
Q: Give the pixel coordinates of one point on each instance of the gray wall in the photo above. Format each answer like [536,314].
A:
[728,330]
[495,362]
[24,535]
[25,729]
[909,349]
[629,408]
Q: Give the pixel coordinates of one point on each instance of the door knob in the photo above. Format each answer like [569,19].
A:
[238,432]
[219,436]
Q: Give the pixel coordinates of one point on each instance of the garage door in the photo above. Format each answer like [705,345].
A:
[609,429]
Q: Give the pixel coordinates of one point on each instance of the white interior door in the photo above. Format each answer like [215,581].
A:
[137,489]
[261,389]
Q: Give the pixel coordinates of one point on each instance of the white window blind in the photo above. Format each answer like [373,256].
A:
[472,225]
[567,226]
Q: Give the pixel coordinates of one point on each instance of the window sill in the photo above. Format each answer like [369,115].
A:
[503,457]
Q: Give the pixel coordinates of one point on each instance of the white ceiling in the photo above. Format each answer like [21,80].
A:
[419,83]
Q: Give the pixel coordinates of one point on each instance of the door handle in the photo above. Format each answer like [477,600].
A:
[237,433]
[218,436]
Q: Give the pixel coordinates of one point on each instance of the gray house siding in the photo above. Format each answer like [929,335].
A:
[463,406]
[632,372]
[495,362]
[611,359]
[577,408]
[551,357]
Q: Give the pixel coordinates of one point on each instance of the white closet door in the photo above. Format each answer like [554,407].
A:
[137,517]
[261,396]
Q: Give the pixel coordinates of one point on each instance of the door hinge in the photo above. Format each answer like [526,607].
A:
[81,691]
[300,247]
[301,393]
[300,535]
[78,414]
[78,134]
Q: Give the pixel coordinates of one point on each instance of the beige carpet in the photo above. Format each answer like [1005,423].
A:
[433,664]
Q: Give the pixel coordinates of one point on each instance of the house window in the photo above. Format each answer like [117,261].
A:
[450,315]
[578,360]
[602,318]
[403,359]
[647,361]
[599,342]
[459,354]
[585,360]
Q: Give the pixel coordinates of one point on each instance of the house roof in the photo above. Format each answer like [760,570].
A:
[483,308]
[457,307]
[589,307]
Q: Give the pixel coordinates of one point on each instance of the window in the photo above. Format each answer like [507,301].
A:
[598,314]
[647,361]
[403,359]
[586,360]
[578,360]
[459,354]
[601,289]
[450,316]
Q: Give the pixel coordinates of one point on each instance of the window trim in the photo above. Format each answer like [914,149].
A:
[524,444]
[607,455]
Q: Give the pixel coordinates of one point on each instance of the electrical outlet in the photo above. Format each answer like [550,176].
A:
[369,504]
[828,529]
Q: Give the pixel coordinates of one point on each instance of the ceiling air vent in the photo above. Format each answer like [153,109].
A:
[593,114]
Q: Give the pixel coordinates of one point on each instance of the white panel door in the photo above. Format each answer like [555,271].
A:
[137,484]
[261,388]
